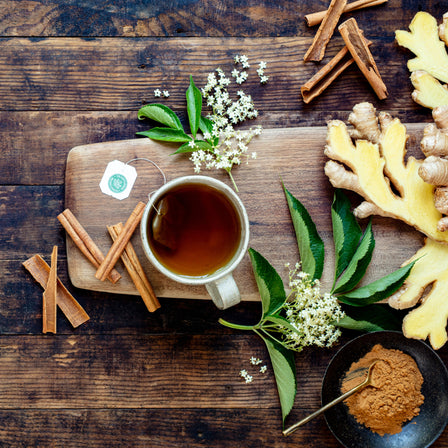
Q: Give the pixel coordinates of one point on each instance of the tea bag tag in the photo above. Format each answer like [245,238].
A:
[118,179]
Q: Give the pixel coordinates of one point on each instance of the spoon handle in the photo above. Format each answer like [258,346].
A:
[292,428]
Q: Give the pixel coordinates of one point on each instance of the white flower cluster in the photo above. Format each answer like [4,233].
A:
[254,362]
[312,314]
[228,145]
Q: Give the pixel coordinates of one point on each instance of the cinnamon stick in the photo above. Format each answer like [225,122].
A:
[119,244]
[84,242]
[316,17]
[135,270]
[49,301]
[360,52]
[326,29]
[40,271]
[327,74]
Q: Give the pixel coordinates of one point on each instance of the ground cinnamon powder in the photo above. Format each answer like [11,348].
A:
[394,396]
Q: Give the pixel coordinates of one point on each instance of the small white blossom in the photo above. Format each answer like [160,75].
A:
[166,94]
[157,93]
[245,375]
[263,369]
[191,144]
[244,61]
[255,361]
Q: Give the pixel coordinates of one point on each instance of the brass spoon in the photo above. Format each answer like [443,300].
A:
[365,383]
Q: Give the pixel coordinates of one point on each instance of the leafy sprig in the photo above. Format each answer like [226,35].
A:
[220,147]
[353,250]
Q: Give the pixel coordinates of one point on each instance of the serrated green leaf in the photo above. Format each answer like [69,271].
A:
[200,144]
[358,264]
[370,318]
[166,134]
[160,113]
[311,246]
[206,126]
[194,107]
[270,285]
[379,289]
[283,364]
[346,232]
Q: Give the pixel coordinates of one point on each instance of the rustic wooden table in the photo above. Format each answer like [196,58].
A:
[74,73]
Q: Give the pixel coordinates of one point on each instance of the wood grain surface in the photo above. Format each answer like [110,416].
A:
[75,73]
[293,156]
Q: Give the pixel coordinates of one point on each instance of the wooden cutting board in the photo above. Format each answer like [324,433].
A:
[292,155]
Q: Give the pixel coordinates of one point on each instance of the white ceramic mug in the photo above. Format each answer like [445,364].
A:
[220,284]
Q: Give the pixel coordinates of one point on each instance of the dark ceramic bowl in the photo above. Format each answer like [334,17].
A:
[423,429]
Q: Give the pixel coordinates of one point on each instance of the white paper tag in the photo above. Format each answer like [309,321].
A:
[118,179]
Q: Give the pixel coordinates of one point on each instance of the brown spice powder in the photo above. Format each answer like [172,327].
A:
[394,396]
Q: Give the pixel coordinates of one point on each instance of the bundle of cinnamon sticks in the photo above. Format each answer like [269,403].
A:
[56,294]
[356,49]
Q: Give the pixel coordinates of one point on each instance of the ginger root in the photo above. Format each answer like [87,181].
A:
[429,319]
[427,42]
[378,172]
[371,163]
[434,169]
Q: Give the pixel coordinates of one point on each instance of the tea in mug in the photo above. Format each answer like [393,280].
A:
[194,230]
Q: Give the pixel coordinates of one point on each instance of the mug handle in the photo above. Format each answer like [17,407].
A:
[224,292]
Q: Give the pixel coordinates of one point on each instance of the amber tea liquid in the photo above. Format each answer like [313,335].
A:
[196,232]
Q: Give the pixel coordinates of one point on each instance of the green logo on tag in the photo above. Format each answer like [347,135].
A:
[117,183]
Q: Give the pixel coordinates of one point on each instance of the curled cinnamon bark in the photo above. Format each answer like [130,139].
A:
[326,29]
[84,242]
[360,52]
[316,17]
[119,244]
[135,270]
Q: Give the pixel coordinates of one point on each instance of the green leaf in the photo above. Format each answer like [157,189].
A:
[283,364]
[206,125]
[379,289]
[311,246]
[280,320]
[166,134]
[160,113]
[370,318]
[194,106]
[200,144]
[358,264]
[269,283]
[346,232]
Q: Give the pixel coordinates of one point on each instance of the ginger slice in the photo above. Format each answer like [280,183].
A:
[378,172]
[423,40]
[428,91]
[429,319]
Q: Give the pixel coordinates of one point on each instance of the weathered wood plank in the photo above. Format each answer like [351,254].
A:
[34,145]
[171,18]
[160,428]
[164,428]
[121,74]
[141,371]
[99,383]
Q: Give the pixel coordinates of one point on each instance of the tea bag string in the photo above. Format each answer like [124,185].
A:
[161,172]
[152,163]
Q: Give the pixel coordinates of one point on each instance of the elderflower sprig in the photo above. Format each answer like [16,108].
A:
[306,316]
[221,146]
